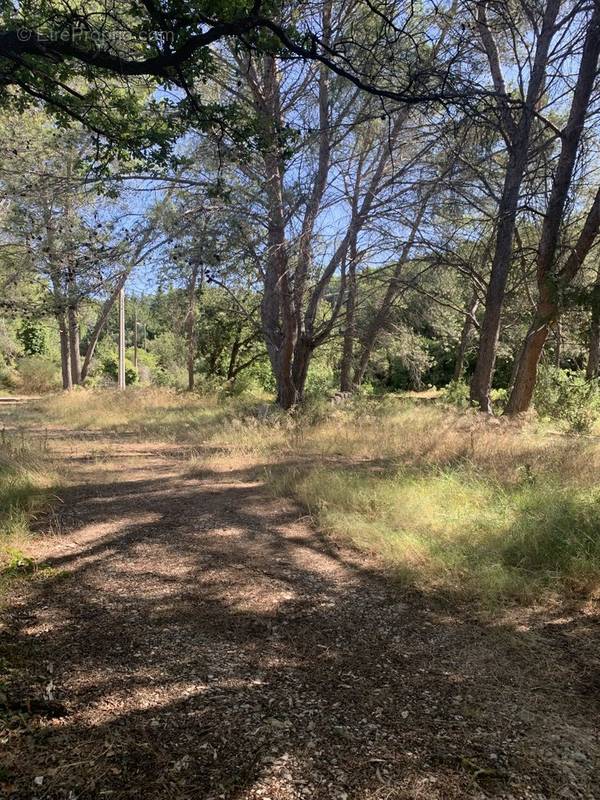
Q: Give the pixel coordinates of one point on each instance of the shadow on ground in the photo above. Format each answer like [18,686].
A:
[197,639]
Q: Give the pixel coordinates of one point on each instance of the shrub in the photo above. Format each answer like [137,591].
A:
[499,398]
[319,381]
[9,377]
[110,367]
[25,482]
[32,337]
[38,375]
[262,373]
[243,383]
[10,348]
[456,394]
[567,396]
[147,364]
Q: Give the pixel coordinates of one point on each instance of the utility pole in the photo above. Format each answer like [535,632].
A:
[122,339]
[135,336]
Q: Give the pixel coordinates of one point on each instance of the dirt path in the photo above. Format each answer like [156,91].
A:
[198,639]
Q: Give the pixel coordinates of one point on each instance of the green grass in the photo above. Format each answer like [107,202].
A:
[452,502]
[26,483]
[460,533]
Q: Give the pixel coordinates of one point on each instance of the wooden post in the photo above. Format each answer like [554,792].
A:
[135,336]
[122,339]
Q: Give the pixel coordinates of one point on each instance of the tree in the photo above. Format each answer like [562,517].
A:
[66,234]
[593,361]
[553,278]
[45,45]
[517,125]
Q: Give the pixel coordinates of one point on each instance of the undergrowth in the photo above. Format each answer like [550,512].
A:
[26,484]
[453,502]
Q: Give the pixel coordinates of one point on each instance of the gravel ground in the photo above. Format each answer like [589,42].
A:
[196,638]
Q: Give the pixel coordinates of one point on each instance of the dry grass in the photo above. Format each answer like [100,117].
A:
[146,412]
[456,503]
[225,432]
[453,502]
[26,483]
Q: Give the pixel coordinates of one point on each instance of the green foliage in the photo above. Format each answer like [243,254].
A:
[17,562]
[499,398]
[244,383]
[24,483]
[9,377]
[442,356]
[260,371]
[168,349]
[147,364]
[10,347]
[403,360]
[319,380]
[365,391]
[456,394]
[110,368]
[567,396]
[32,336]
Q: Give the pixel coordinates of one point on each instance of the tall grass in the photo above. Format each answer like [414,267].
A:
[147,412]
[225,432]
[458,533]
[455,503]
[26,483]
[452,502]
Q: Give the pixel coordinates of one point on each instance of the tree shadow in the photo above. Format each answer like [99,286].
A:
[206,643]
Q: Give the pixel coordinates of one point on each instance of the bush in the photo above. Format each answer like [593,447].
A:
[32,337]
[25,482]
[567,396]
[319,381]
[10,347]
[456,394]
[38,375]
[262,373]
[147,364]
[110,367]
[9,377]
[499,398]
[243,383]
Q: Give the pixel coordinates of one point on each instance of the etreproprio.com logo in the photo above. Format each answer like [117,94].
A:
[100,39]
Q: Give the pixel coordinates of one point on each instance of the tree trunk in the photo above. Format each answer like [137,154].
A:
[235,349]
[302,357]
[190,325]
[375,328]
[109,303]
[279,320]
[552,281]
[100,323]
[520,397]
[518,136]
[287,394]
[465,336]
[190,372]
[593,363]
[74,354]
[346,383]
[558,345]
[481,382]
[65,356]
[382,314]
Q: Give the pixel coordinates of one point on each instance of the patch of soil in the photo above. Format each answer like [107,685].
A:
[198,639]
